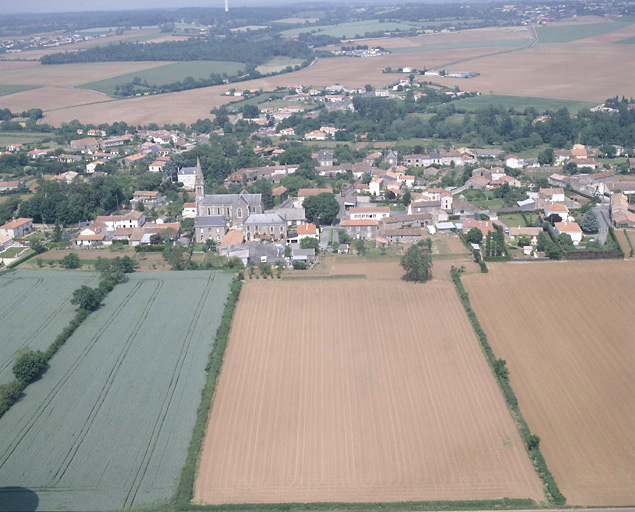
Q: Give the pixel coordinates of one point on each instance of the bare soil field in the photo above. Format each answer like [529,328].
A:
[52,98]
[550,71]
[33,73]
[358,390]
[566,332]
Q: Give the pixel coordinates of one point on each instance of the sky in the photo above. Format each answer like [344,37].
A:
[39,6]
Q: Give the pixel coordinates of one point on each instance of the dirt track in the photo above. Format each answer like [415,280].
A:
[567,333]
[358,390]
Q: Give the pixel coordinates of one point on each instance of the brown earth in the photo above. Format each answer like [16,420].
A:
[52,98]
[358,390]
[33,73]
[566,331]
[553,71]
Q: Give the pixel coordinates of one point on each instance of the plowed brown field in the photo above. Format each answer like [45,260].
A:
[567,331]
[358,391]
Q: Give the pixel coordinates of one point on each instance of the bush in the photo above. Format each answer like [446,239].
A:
[9,394]
[299,265]
[88,298]
[28,365]
[70,261]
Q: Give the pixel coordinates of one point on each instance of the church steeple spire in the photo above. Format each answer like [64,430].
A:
[199,184]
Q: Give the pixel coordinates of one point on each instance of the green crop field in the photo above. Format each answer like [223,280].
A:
[630,40]
[568,33]
[277,64]
[519,103]
[353,28]
[108,425]
[10,89]
[167,74]
[34,308]
[452,46]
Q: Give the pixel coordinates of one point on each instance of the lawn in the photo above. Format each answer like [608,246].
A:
[11,89]
[353,28]
[512,220]
[520,103]
[167,74]
[568,33]
[34,308]
[108,425]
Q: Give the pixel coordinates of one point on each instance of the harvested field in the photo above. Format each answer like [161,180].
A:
[108,425]
[34,308]
[68,74]
[358,390]
[51,98]
[535,72]
[566,332]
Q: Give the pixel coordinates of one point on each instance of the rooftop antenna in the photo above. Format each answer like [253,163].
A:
[226,5]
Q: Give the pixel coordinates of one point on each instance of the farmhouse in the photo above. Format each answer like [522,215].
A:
[17,228]
[532,233]
[264,226]
[85,145]
[148,198]
[6,186]
[128,220]
[485,226]
[93,234]
[369,212]
[360,229]
[403,235]
[37,153]
[209,228]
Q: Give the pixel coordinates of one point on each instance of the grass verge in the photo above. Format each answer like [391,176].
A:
[532,441]
[185,486]
[501,504]
[630,244]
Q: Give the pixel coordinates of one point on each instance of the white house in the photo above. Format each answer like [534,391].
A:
[513,162]
[570,228]
[17,228]
[369,212]
[95,233]
[189,210]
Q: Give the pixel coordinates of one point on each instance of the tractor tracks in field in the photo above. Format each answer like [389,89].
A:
[22,298]
[24,431]
[5,365]
[88,423]
[167,401]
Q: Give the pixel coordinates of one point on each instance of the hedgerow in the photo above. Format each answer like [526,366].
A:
[185,486]
[498,366]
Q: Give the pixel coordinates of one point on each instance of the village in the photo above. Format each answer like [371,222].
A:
[382,200]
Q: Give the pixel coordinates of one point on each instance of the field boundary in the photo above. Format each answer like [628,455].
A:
[500,504]
[185,486]
[501,374]
[339,276]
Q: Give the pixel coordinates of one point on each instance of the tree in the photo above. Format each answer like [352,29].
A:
[28,365]
[589,223]
[210,244]
[156,239]
[139,207]
[407,198]
[70,261]
[322,208]
[57,233]
[343,237]
[542,241]
[86,298]
[251,111]
[310,243]
[564,241]
[417,263]
[546,157]
[475,236]
[553,251]
[360,246]
[288,252]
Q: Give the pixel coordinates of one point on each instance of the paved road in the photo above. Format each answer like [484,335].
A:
[602,212]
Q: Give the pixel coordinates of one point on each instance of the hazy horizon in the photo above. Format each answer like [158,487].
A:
[55,6]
